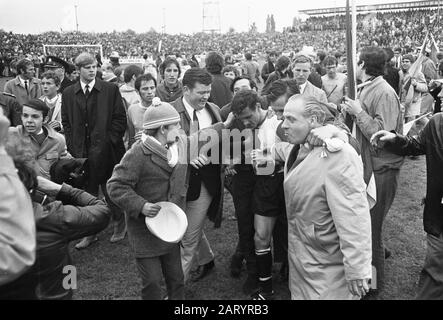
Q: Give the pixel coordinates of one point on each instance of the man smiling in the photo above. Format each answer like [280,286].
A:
[205,193]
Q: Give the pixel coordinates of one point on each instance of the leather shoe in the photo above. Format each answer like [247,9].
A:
[251,285]
[86,242]
[387,253]
[261,295]
[202,271]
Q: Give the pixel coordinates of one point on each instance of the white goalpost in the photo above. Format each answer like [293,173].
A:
[47,48]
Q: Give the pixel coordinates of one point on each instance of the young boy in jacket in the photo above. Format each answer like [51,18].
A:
[158,158]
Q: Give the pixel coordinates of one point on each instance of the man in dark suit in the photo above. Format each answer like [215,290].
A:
[94,120]
[205,192]
[269,66]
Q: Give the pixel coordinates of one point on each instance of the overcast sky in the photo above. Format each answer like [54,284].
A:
[179,16]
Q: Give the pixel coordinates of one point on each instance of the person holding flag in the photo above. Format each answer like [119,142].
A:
[377,107]
[412,86]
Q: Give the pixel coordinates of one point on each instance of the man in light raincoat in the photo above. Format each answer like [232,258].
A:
[328,213]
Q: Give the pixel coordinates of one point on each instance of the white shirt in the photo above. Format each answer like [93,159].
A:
[90,85]
[302,87]
[267,133]
[203,115]
[22,82]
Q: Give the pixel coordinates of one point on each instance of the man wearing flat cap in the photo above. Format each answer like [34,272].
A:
[60,67]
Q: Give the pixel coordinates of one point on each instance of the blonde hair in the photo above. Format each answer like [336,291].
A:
[83,59]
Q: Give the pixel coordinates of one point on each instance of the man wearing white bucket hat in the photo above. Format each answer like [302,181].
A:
[152,171]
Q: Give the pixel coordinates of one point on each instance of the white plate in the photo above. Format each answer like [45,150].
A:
[169,224]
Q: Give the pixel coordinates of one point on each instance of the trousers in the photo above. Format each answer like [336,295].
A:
[151,271]
[430,286]
[386,184]
[194,245]
[243,184]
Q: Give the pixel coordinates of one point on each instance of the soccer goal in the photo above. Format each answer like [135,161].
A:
[67,51]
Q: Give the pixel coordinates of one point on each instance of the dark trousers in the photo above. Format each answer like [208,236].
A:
[93,188]
[23,288]
[242,190]
[386,183]
[151,271]
[437,103]
[280,239]
[430,286]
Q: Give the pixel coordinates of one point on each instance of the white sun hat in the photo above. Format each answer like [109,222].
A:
[169,224]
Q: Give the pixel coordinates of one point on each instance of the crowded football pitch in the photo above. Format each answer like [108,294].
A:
[107,270]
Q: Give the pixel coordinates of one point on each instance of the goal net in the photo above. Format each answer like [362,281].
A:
[67,51]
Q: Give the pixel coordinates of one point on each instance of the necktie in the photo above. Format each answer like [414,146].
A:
[26,87]
[195,120]
[87,91]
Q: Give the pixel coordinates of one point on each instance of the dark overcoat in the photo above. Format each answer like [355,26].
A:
[94,127]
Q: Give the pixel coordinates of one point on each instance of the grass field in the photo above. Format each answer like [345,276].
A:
[108,271]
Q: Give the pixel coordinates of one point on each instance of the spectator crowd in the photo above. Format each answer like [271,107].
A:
[312,175]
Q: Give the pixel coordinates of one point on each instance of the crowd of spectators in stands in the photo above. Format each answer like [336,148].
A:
[386,29]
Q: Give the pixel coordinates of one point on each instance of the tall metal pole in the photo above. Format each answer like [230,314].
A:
[164,23]
[248,18]
[76,19]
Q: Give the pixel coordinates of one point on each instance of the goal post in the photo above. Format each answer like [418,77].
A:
[54,49]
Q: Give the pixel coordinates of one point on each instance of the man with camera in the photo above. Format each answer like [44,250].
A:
[61,214]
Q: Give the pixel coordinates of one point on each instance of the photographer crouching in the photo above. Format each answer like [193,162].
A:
[62,214]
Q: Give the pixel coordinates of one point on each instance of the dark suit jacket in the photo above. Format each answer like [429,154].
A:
[315,79]
[216,208]
[64,84]
[221,93]
[105,120]
[267,69]
[392,77]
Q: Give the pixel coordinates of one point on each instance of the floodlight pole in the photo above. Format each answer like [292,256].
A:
[76,19]
[164,22]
